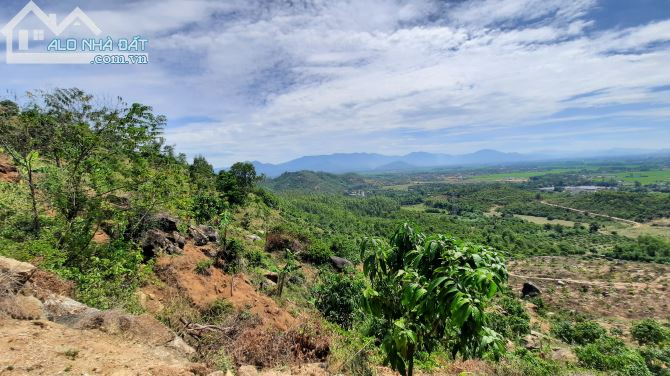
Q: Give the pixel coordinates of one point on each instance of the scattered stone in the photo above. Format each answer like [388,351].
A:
[560,283]
[529,290]
[340,263]
[253,238]
[178,239]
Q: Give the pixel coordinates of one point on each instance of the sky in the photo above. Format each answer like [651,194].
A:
[273,80]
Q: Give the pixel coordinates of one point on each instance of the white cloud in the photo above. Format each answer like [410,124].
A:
[326,76]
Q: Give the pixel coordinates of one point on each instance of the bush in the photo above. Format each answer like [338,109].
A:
[648,332]
[514,321]
[318,253]
[337,297]
[202,267]
[657,360]
[581,333]
[525,363]
[207,206]
[612,355]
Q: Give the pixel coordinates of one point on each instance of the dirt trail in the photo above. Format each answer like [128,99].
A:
[47,348]
[635,224]
[620,285]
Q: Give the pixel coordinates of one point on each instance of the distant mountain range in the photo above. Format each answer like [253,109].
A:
[370,162]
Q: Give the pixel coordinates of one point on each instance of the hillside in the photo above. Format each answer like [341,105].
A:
[322,182]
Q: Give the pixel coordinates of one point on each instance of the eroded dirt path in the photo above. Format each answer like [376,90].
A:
[636,224]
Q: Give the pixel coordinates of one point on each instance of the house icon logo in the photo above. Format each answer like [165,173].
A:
[18,39]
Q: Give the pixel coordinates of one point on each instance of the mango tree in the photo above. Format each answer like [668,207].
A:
[430,290]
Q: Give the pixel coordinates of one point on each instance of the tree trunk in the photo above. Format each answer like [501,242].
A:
[410,361]
[232,284]
[33,199]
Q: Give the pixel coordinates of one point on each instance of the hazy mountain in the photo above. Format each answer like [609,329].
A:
[369,162]
[361,162]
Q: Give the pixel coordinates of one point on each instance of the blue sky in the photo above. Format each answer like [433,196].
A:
[275,80]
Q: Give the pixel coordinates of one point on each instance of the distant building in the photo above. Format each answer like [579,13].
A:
[585,188]
[356,193]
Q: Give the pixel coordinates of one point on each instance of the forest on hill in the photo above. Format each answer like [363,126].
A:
[413,272]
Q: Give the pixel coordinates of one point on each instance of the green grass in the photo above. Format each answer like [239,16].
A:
[525,175]
[644,177]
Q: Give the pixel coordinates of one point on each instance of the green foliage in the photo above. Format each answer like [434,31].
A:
[657,359]
[431,289]
[318,252]
[202,266]
[649,332]
[207,206]
[647,248]
[525,363]
[580,333]
[613,356]
[337,296]
[237,182]
[512,321]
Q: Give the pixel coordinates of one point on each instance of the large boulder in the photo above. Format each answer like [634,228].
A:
[66,311]
[199,237]
[529,290]
[341,263]
[14,274]
[210,232]
[164,222]
[157,242]
[21,307]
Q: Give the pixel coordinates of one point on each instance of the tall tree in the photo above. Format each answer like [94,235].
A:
[23,135]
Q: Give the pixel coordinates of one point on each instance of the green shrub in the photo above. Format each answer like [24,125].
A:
[581,333]
[318,252]
[611,355]
[514,321]
[657,360]
[648,331]
[337,297]
[525,363]
[217,310]
[202,267]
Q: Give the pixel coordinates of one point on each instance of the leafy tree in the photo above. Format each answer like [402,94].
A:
[23,134]
[337,297]
[237,182]
[291,266]
[431,290]
[201,174]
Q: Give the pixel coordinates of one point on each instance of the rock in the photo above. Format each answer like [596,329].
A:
[64,310]
[247,371]
[199,238]
[14,274]
[179,240]
[21,307]
[272,276]
[340,263]
[560,283]
[180,345]
[533,340]
[157,242]
[218,373]
[529,290]
[210,232]
[165,222]
[253,238]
